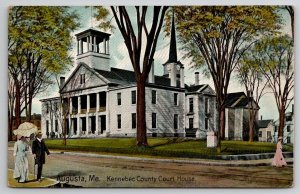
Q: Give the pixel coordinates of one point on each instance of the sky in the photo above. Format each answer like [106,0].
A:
[120,59]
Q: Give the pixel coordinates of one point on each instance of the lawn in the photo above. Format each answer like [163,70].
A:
[169,147]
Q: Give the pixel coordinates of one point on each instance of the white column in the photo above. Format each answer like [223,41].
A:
[79,125]
[81,47]
[87,121]
[78,46]
[91,44]
[79,105]
[95,44]
[87,103]
[88,43]
[182,77]
[104,46]
[107,47]
[107,115]
[97,113]
[71,107]
[71,128]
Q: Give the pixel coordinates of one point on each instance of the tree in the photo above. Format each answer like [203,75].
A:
[38,44]
[290,9]
[250,75]
[275,58]
[216,38]
[135,38]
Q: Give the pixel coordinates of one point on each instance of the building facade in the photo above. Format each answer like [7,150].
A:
[288,130]
[237,110]
[266,130]
[98,100]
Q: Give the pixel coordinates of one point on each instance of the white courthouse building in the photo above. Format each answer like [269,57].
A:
[99,100]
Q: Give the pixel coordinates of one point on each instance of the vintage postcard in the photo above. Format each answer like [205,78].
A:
[151,96]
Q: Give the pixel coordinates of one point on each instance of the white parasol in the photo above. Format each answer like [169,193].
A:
[26,129]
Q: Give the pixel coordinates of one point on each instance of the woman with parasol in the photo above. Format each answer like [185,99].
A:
[21,148]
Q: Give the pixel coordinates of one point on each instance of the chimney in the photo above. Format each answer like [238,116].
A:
[62,81]
[196,78]
[151,74]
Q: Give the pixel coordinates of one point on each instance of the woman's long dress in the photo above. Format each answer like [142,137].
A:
[278,159]
[21,161]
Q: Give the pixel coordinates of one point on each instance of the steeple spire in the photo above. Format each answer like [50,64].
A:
[173,49]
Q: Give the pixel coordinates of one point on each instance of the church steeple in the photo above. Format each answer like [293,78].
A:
[173,68]
[173,49]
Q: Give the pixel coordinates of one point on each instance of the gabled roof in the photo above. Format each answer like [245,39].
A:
[233,98]
[122,76]
[238,100]
[196,88]
[264,123]
[89,69]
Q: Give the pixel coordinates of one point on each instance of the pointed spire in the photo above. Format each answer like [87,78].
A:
[173,49]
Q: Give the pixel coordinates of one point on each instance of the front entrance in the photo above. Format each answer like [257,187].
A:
[103,123]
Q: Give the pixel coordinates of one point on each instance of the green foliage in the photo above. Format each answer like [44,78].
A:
[222,29]
[275,52]
[44,32]
[102,15]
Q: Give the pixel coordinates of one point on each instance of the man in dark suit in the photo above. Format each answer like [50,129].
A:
[39,149]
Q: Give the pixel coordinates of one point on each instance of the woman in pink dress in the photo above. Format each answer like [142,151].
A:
[278,159]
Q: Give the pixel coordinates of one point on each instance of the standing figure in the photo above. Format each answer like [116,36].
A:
[39,149]
[278,159]
[21,160]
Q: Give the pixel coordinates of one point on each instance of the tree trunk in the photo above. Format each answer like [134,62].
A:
[18,106]
[281,122]
[222,122]
[251,123]
[10,125]
[141,114]
[219,131]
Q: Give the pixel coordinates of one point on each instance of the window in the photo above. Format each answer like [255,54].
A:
[119,98]
[133,97]
[191,123]
[206,123]
[153,120]
[153,96]
[288,139]
[175,99]
[82,78]
[119,121]
[288,118]
[276,128]
[133,120]
[288,128]
[260,134]
[175,121]
[206,106]
[191,103]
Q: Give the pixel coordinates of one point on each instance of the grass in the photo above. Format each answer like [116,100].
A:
[166,147]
